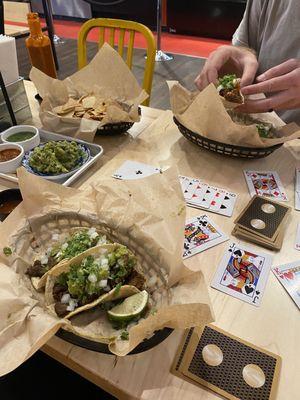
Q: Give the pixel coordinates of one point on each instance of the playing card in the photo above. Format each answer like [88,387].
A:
[243,274]
[297,200]
[208,196]
[297,241]
[227,205]
[201,234]
[289,276]
[297,186]
[266,183]
[135,170]
[217,200]
[198,195]
[189,188]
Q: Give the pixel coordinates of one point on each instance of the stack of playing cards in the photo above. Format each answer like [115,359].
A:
[297,189]
[266,183]
[199,194]
[262,222]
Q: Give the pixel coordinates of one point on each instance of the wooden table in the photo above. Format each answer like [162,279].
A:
[275,325]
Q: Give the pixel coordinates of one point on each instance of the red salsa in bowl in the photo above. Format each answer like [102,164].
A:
[8,154]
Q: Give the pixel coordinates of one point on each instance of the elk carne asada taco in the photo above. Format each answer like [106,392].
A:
[63,247]
[87,279]
[228,87]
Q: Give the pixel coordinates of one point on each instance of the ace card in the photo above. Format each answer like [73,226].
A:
[289,276]
[243,273]
[201,234]
[135,170]
[266,183]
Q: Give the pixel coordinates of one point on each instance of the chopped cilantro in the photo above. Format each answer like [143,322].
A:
[117,289]
[228,81]
[7,251]
[125,335]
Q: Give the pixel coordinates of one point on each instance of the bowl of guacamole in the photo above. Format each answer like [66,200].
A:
[56,160]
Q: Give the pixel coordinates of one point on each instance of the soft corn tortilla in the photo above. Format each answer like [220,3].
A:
[39,283]
[125,291]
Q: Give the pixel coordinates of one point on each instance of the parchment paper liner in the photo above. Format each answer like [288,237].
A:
[107,75]
[204,113]
[146,215]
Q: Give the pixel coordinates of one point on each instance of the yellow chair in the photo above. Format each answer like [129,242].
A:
[130,26]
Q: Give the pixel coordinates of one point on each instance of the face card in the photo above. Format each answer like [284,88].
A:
[243,274]
[266,184]
[289,276]
[201,234]
[135,170]
[297,241]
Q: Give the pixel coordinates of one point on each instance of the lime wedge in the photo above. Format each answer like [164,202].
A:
[130,308]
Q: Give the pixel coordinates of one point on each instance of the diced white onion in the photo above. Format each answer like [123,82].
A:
[91,231]
[104,261]
[107,288]
[94,235]
[55,236]
[92,278]
[102,239]
[152,281]
[65,298]
[220,87]
[44,259]
[72,305]
[103,283]
[64,246]
[58,254]
[48,252]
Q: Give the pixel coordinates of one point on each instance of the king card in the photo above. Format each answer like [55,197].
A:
[135,170]
[243,274]
[201,234]
[266,183]
[289,276]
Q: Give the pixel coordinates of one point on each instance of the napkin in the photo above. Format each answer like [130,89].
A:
[8,59]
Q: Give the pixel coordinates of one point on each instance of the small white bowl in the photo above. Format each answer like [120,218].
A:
[11,165]
[26,144]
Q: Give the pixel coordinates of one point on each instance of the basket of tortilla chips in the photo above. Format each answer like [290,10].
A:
[209,119]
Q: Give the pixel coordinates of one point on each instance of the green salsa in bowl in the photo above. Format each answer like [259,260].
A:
[26,136]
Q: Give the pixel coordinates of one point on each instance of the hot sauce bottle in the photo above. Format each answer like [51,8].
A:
[39,47]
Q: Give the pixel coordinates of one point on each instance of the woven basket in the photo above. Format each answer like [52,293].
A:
[114,129]
[61,223]
[223,148]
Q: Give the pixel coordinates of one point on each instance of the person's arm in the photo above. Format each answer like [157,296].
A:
[282,82]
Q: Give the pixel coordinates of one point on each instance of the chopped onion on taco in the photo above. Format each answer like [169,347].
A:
[88,279]
[63,247]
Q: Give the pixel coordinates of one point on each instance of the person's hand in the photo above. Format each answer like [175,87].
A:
[228,59]
[283,82]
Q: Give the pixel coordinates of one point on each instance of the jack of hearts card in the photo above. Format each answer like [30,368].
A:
[243,273]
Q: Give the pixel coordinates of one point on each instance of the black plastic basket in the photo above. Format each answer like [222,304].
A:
[147,344]
[114,129]
[223,148]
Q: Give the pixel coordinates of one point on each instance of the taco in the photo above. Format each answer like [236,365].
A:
[228,87]
[103,273]
[266,130]
[62,248]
